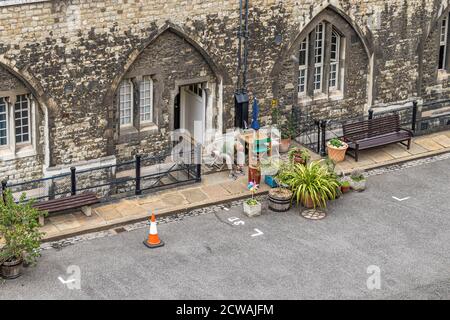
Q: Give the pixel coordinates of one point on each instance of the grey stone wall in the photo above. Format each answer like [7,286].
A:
[73,53]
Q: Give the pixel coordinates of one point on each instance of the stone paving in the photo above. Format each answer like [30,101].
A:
[218,188]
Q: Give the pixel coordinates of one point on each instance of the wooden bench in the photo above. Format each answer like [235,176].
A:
[83,201]
[375,133]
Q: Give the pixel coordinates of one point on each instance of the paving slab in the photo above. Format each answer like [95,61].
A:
[194,195]
[397,151]
[234,187]
[416,149]
[443,140]
[174,199]
[156,205]
[429,144]
[108,212]
[215,191]
[129,208]
[378,155]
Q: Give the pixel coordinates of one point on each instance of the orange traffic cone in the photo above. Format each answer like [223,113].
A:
[153,240]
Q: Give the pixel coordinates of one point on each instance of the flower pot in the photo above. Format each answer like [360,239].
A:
[254,175]
[308,203]
[280,199]
[299,160]
[284,145]
[358,186]
[252,211]
[345,189]
[12,269]
[337,154]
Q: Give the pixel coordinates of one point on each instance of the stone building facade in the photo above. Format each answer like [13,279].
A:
[91,82]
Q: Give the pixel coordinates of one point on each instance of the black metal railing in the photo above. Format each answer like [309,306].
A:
[143,173]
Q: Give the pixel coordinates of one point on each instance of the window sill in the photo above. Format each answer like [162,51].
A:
[320,98]
[6,154]
[126,130]
[149,127]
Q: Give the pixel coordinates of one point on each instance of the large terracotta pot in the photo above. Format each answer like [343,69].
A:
[337,154]
[284,145]
[254,174]
[308,203]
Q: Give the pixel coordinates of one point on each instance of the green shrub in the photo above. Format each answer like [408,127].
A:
[299,152]
[19,228]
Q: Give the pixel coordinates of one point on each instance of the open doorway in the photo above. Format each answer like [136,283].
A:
[192,111]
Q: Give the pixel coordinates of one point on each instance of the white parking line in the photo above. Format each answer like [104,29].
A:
[401,200]
[258,233]
[66,281]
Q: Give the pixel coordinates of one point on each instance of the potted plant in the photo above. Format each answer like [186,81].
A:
[280,199]
[336,150]
[345,186]
[358,180]
[312,185]
[287,133]
[299,155]
[252,207]
[19,228]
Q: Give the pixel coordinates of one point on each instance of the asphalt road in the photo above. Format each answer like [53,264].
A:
[209,257]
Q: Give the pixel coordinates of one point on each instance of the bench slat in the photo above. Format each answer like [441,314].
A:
[69,198]
[374,133]
[380,140]
[66,203]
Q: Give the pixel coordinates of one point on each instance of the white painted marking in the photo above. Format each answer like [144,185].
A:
[258,233]
[236,221]
[66,282]
[401,200]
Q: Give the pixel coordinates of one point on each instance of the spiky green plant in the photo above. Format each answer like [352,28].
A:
[313,181]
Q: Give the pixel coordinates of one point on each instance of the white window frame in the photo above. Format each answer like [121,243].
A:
[443,42]
[303,68]
[7,121]
[15,149]
[334,63]
[19,102]
[146,116]
[318,65]
[122,108]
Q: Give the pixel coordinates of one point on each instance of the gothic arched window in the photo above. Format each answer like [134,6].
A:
[321,63]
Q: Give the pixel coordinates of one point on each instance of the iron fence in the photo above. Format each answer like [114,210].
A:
[143,173]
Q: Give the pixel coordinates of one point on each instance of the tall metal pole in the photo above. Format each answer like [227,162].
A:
[239,53]
[244,84]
